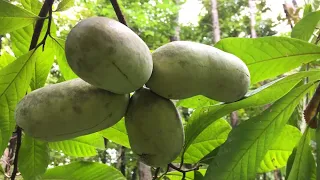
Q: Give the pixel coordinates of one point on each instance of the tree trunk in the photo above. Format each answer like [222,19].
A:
[176,36]
[134,173]
[215,21]
[234,118]
[253,9]
[121,164]
[277,175]
[104,153]
[144,171]
[295,4]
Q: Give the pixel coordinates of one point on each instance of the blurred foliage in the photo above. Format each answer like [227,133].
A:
[234,19]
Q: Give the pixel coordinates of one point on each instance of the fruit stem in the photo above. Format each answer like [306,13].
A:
[118,12]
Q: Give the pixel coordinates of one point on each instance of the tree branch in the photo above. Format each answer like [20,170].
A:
[183,171]
[118,12]
[46,8]
[15,162]
[47,5]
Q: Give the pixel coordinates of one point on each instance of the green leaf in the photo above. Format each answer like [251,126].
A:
[64,5]
[195,102]
[43,65]
[82,146]
[203,117]
[14,82]
[6,59]
[303,166]
[212,137]
[307,9]
[83,171]
[192,175]
[117,133]
[267,57]
[277,156]
[31,5]
[33,158]
[66,71]
[247,144]
[13,17]
[305,27]
[209,157]
[21,38]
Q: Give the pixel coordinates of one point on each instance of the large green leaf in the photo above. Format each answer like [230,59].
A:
[14,82]
[212,137]
[13,17]
[20,44]
[6,59]
[306,26]
[247,144]
[43,65]
[117,133]
[203,117]
[192,175]
[62,61]
[83,171]
[303,166]
[64,5]
[280,150]
[33,158]
[82,146]
[267,57]
[31,5]
[21,39]
[196,101]
[307,9]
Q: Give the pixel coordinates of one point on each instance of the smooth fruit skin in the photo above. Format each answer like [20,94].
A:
[154,128]
[109,55]
[69,109]
[183,69]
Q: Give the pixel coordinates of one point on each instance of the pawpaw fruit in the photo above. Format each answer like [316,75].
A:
[182,69]
[109,55]
[154,128]
[69,109]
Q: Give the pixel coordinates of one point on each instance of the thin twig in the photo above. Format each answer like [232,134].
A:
[165,172]
[118,12]
[156,174]
[46,8]
[15,162]
[183,176]
[182,159]
[183,171]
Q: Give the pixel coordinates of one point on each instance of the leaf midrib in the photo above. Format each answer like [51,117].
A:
[271,59]
[5,90]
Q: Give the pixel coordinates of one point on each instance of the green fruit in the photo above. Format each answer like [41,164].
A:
[109,55]
[154,128]
[182,69]
[69,109]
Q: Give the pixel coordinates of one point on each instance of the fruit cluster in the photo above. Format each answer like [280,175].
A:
[112,62]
